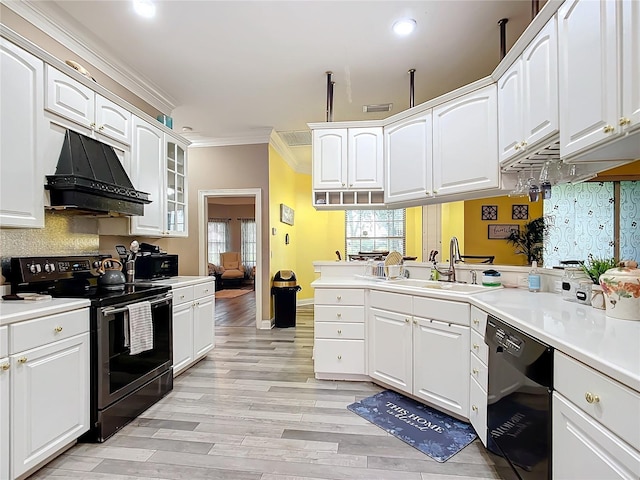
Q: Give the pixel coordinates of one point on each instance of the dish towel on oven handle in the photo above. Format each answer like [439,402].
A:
[140,328]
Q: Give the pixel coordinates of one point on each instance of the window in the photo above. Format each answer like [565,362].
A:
[218,239]
[248,245]
[375,231]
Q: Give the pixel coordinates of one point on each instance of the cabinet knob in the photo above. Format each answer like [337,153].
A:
[517,147]
[415,322]
[58,329]
[474,408]
[339,315]
[343,184]
[523,144]
[608,129]
[92,125]
[591,398]
[181,297]
[339,332]
[350,185]
[475,371]
[5,366]
[476,346]
[624,121]
[406,320]
[339,357]
[206,291]
[476,321]
[427,192]
[101,127]
[435,192]
[22,360]
[339,297]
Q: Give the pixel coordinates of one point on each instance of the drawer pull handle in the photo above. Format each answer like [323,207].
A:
[474,408]
[339,357]
[22,360]
[591,398]
[476,346]
[475,371]
[5,366]
[58,329]
[339,332]
[476,321]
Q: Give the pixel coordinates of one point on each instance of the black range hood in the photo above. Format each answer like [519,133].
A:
[90,177]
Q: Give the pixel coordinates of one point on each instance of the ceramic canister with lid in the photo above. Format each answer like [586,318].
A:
[621,286]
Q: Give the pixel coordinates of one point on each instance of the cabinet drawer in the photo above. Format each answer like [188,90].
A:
[479,372]
[617,407]
[478,347]
[4,341]
[40,331]
[444,310]
[336,330]
[478,320]
[478,410]
[203,290]
[339,356]
[334,296]
[330,313]
[182,295]
[393,302]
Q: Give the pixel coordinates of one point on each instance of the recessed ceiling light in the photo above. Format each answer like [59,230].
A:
[144,8]
[404,26]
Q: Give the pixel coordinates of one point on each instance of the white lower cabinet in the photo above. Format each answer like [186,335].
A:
[424,357]
[193,324]
[4,417]
[595,424]
[49,387]
[478,374]
[339,332]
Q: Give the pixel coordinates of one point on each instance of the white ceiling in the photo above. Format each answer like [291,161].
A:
[233,70]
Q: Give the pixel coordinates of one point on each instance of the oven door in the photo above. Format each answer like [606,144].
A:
[118,373]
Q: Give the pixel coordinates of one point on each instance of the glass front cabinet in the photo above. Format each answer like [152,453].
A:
[176,191]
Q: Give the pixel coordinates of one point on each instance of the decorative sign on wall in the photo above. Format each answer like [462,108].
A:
[489,212]
[520,212]
[286,214]
[502,232]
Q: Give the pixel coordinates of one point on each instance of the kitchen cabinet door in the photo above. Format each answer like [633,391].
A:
[147,175]
[408,159]
[182,336]
[203,326]
[70,99]
[22,193]
[330,159]
[582,448]
[176,191]
[588,73]
[5,367]
[112,120]
[391,349]
[49,400]
[365,158]
[510,116]
[441,364]
[465,143]
[630,45]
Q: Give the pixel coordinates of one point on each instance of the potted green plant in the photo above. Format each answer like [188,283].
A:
[594,267]
[529,240]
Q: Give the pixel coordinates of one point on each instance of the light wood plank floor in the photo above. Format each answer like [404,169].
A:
[253,410]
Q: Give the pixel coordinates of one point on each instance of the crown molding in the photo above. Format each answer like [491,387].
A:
[47,19]
[285,152]
[260,136]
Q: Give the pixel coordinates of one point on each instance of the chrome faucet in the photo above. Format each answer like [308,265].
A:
[454,257]
[474,277]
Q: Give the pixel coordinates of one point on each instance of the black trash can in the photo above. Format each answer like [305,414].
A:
[284,291]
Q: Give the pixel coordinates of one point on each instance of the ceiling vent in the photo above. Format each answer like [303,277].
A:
[381,107]
[296,138]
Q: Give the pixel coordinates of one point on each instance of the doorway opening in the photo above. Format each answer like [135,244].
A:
[233,199]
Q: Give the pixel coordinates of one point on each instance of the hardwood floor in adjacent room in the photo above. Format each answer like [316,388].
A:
[237,312]
[252,410]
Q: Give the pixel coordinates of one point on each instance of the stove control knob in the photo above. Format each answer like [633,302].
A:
[35,268]
[49,267]
[96,264]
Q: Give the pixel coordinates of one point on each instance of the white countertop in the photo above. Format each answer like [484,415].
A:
[608,345]
[182,281]
[12,311]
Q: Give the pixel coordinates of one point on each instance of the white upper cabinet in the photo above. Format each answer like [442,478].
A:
[22,129]
[588,66]
[347,158]
[630,44]
[176,191]
[408,159]
[74,101]
[465,143]
[528,96]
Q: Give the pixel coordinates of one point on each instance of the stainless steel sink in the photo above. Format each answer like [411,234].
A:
[444,286]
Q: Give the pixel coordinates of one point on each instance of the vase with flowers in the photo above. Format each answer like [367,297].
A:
[594,267]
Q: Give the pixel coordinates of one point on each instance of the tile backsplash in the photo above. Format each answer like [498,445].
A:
[64,234]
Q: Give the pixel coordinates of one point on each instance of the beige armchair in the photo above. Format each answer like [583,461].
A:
[231,266]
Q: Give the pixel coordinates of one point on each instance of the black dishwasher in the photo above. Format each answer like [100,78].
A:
[519,390]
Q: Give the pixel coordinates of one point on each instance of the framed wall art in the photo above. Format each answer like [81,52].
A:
[501,232]
[519,212]
[489,212]
[286,214]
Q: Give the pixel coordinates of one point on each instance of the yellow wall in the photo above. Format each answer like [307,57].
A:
[413,217]
[476,229]
[453,218]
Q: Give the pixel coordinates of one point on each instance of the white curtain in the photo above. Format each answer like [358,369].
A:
[218,239]
[248,243]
